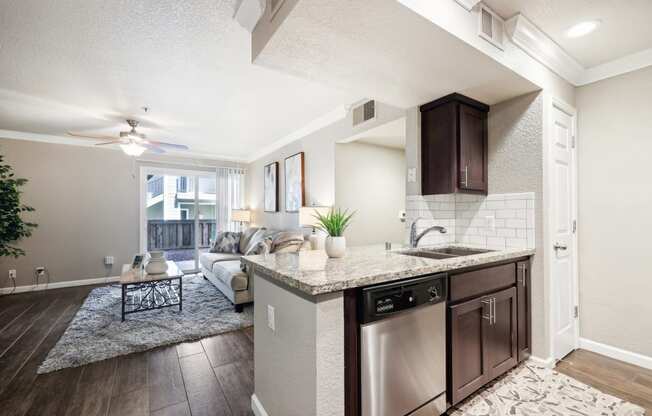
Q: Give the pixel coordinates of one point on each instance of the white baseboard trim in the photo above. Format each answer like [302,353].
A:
[544,362]
[257,407]
[617,353]
[59,285]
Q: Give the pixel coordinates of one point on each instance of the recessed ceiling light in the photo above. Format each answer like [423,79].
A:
[583,28]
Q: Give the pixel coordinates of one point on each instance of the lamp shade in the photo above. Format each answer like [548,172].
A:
[241,215]
[307,215]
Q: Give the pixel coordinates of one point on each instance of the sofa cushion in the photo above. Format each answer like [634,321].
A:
[226,242]
[207,260]
[250,239]
[230,274]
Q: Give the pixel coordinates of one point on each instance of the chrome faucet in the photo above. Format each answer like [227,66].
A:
[414,238]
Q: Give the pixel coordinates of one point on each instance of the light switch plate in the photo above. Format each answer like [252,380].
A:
[271,320]
[412,175]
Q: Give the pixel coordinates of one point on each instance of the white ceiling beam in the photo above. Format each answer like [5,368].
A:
[539,46]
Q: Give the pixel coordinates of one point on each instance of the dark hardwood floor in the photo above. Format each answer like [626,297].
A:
[622,380]
[213,376]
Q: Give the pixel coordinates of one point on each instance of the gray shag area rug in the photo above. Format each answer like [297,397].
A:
[96,333]
[530,389]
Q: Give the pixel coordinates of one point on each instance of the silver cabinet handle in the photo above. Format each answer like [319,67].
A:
[466,176]
[523,275]
[490,316]
[559,246]
[491,302]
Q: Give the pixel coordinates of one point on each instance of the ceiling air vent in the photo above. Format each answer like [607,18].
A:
[364,112]
[491,27]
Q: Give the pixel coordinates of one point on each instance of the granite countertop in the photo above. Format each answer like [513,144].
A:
[314,273]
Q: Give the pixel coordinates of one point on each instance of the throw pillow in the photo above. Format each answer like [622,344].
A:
[287,241]
[226,242]
[261,247]
[246,238]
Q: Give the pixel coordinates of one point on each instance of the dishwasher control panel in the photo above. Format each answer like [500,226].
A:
[388,299]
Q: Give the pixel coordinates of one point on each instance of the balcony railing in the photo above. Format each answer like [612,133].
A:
[178,234]
[155,186]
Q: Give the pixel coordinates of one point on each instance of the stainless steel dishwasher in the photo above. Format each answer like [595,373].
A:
[403,348]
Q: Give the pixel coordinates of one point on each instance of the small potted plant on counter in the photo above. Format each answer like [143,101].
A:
[334,223]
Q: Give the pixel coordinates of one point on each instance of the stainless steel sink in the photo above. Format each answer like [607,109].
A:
[443,253]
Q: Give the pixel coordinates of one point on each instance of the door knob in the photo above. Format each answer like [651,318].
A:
[559,246]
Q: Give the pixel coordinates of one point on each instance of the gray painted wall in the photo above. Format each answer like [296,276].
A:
[86,202]
[319,149]
[615,202]
[371,181]
[516,165]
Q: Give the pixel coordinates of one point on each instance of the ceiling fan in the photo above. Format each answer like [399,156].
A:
[131,142]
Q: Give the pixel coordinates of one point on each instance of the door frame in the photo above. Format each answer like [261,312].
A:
[142,221]
[550,103]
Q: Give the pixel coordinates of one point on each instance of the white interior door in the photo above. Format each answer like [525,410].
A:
[563,241]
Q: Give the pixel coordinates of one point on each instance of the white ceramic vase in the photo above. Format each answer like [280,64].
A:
[156,263]
[335,246]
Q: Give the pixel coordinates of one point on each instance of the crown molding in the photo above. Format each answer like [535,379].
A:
[533,41]
[55,139]
[468,4]
[617,67]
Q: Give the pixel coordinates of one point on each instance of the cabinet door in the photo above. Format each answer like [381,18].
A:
[467,368]
[524,313]
[472,162]
[500,342]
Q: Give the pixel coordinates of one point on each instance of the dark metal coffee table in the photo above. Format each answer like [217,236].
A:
[145,292]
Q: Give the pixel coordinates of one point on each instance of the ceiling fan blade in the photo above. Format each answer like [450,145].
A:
[170,145]
[90,136]
[111,142]
[152,148]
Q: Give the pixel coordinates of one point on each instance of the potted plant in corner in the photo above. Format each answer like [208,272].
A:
[12,226]
[334,223]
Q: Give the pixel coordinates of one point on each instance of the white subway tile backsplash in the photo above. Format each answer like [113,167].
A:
[465,217]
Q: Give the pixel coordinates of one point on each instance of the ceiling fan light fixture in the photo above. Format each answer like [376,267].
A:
[582,28]
[132,149]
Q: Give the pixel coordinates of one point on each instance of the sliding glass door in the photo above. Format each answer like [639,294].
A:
[178,209]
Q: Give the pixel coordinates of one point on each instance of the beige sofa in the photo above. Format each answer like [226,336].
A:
[224,270]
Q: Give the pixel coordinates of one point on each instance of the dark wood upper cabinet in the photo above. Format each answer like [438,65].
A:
[454,146]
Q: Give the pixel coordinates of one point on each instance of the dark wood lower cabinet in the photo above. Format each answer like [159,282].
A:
[483,341]
[524,312]
[468,324]
[500,341]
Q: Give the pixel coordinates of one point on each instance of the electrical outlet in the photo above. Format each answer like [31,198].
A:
[108,261]
[412,175]
[490,222]
[271,320]
[12,274]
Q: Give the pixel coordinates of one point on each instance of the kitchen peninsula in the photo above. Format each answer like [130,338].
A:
[307,320]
